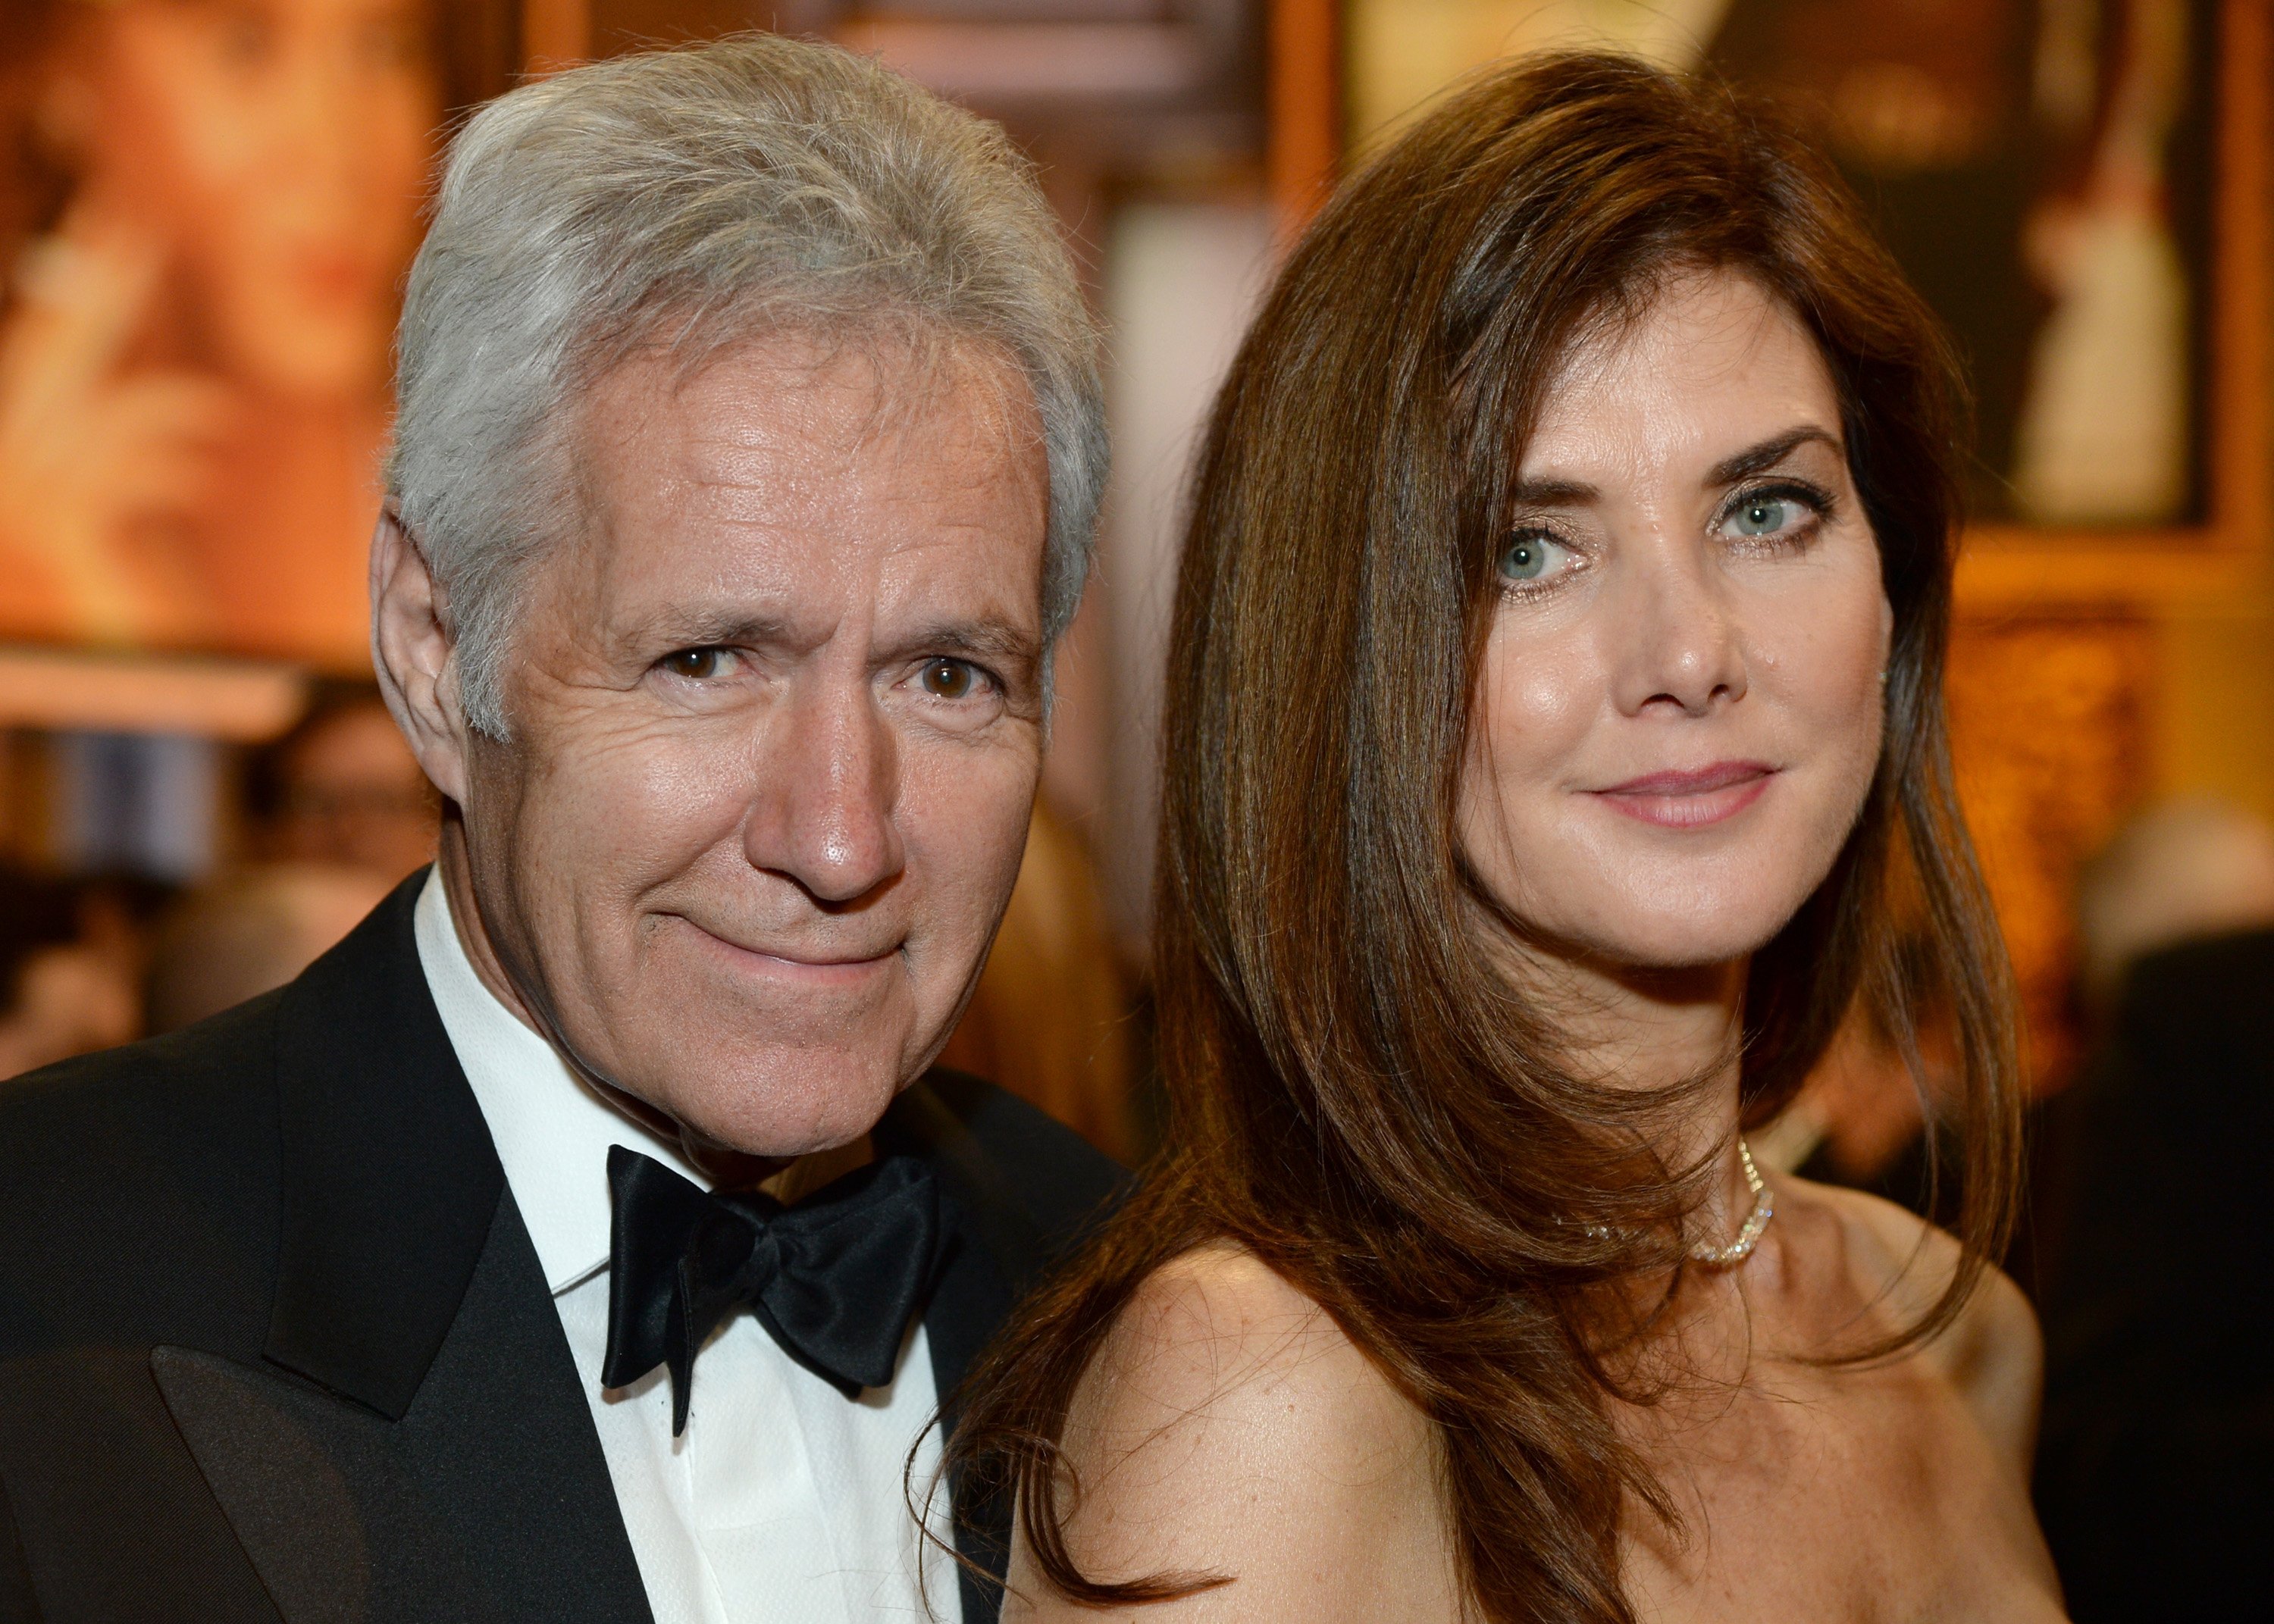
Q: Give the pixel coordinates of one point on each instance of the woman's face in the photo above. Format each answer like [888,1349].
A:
[1678,713]
[280,147]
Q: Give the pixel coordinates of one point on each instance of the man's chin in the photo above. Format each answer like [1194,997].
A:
[794,1106]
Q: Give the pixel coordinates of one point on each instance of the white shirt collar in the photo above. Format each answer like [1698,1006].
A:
[552,1132]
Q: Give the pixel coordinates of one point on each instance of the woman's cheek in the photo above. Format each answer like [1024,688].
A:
[1537,697]
[1541,692]
[1828,660]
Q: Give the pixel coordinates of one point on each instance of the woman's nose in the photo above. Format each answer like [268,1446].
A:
[1677,646]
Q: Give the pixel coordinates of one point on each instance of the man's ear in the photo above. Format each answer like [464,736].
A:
[416,660]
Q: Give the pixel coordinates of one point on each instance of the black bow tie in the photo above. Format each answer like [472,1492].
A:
[834,1279]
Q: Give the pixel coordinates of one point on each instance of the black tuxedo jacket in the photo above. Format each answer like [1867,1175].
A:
[274,1344]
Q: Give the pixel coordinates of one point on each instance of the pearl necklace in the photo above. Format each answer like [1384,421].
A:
[1748,1234]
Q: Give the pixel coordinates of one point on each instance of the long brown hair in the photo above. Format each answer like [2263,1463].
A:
[1356,1095]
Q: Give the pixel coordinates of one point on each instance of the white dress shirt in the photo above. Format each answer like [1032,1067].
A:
[782,1502]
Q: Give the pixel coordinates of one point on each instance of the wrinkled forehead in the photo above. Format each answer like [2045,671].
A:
[827,397]
[806,466]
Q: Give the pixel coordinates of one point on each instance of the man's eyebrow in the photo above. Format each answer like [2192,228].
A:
[985,640]
[1767,454]
[699,630]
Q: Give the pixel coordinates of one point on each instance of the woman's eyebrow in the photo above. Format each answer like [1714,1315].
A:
[1767,454]
[1553,493]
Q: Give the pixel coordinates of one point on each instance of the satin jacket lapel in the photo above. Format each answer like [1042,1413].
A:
[106,1506]
[475,1503]
[995,1248]
[997,1183]
[390,1180]
[418,1398]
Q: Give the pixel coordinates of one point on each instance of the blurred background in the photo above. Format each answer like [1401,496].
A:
[206,208]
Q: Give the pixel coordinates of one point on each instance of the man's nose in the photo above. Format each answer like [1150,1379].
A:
[1678,645]
[828,785]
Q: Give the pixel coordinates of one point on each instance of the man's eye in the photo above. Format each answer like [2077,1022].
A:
[947,678]
[696,665]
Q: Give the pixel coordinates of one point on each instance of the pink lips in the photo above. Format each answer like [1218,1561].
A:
[1690,798]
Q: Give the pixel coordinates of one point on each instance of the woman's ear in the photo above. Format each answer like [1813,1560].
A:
[414,655]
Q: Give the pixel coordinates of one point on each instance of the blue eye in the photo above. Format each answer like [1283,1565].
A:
[1524,556]
[1762,516]
[1786,513]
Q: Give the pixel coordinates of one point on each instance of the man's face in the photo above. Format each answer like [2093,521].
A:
[776,721]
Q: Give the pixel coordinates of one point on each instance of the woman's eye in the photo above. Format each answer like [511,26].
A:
[1765,517]
[1528,555]
[1769,513]
[696,665]
[947,678]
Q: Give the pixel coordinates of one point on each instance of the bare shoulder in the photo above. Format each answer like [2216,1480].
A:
[1215,1331]
[1219,1368]
[1228,1427]
[1993,1353]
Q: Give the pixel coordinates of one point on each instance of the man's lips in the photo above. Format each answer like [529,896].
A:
[807,964]
[1691,798]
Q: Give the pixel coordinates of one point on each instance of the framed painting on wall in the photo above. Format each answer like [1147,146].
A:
[2079,188]
[2045,173]
[208,207]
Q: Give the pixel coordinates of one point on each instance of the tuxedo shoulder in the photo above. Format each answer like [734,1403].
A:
[2247,956]
[137,1189]
[1057,1179]
[142,1109]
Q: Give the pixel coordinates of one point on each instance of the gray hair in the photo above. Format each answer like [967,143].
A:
[693,197]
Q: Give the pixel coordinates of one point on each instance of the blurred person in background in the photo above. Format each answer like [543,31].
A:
[2189,868]
[211,203]
[2155,1475]
[337,811]
[68,966]
[251,931]
[342,787]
